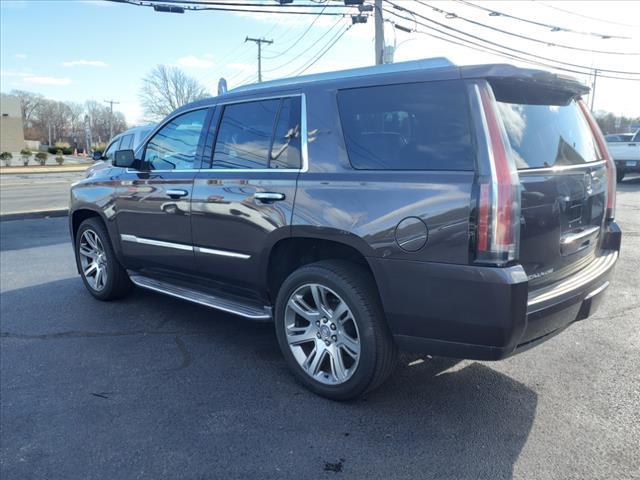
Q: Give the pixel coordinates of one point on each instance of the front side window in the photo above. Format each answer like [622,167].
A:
[175,145]
[258,135]
[111,149]
[416,126]
[126,143]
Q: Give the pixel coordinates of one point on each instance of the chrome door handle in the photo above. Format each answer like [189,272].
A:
[177,193]
[268,197]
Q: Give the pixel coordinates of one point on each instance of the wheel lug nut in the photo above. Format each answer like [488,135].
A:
[334,338]
[324,320]
[317,323]
[318,335]
[333,326]
[327,343]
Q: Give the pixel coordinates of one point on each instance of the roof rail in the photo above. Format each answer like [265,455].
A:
[436,62]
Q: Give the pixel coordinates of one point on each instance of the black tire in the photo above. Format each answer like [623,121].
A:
[619,175]
[117,283]
[378,352]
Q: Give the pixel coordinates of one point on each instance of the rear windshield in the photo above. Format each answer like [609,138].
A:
[548,135]
[414,126]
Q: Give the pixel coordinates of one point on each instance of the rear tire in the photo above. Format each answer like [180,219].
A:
[619,175]
[98,265]
[332,331]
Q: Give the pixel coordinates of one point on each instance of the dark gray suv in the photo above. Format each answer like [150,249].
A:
[456,211]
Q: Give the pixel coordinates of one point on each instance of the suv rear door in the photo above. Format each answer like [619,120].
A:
[563,176]
[243,195]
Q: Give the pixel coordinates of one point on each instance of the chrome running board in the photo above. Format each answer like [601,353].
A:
[247,310]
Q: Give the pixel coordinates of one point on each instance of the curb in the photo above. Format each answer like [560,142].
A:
[32,214]
[45,169]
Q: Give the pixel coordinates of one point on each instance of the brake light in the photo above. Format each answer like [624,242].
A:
[498,222]
[604,152]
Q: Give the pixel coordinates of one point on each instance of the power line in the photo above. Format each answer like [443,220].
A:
[302,35]
[553,28]
[323,53]
[201,6]
[303,52]
[453,15]
[485,49]
[548,5]
[522,52]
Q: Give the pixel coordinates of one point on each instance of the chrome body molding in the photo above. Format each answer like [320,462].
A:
[181,246]
[598,267]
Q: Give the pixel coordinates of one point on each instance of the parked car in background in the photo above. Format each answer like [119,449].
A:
[129,139]
[457,211]
[625,150]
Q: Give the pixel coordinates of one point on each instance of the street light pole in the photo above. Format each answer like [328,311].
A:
[259,42]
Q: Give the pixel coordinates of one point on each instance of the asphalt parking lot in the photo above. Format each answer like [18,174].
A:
[152,387]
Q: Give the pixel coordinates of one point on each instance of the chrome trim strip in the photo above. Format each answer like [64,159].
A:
[181,246]
[580,235]
[597,290]
[222,253]
[199,298]
[536,171]
[598,267]
[156,243]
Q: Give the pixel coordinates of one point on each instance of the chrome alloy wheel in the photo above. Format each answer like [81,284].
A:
[322,334]
[93,260]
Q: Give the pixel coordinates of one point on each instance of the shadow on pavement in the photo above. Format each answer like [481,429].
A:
[31,233]
[157,387]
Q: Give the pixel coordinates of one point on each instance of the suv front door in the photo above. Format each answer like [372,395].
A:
[153,204]
[243,196]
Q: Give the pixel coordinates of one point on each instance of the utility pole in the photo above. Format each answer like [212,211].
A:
[259,41]
[111,102]
[379,27]
[593,88]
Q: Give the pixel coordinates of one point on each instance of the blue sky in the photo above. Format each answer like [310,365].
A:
[78,50]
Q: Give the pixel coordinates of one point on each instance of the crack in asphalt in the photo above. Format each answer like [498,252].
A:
[186,355]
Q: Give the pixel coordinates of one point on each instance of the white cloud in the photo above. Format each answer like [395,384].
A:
[88,63]
[44,80]
[21,56]
[14,73]
[193,61]
[97,3]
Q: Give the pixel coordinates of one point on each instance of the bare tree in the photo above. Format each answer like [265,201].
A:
[29,102]
[166,88]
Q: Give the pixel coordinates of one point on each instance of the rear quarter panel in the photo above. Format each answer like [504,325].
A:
[363,207]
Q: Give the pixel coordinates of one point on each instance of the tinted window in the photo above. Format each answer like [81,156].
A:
[174,146]
[548,135]
[417,126]
[126,143]
[244,135]
[285,150]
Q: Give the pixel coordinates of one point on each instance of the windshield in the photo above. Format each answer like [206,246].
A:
[548,135]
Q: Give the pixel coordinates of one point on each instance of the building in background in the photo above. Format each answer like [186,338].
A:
[11,130]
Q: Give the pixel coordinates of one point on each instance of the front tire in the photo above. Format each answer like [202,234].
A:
[101,272]
[332,331]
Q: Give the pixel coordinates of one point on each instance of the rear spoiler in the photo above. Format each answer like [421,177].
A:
[527,85]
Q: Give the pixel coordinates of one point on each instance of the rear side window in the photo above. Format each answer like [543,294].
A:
[548,135]
[259,135]
[416,126]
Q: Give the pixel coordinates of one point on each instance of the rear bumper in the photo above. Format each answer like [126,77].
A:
[628,165]
[486,313]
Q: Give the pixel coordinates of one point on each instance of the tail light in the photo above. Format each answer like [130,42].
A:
[604,152]
[498,210]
